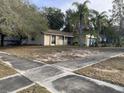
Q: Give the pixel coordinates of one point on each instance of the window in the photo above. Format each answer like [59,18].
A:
[53,39]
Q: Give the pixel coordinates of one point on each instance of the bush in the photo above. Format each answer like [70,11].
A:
[75,44]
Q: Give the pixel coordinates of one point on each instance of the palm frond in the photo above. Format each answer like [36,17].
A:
[94,12]
[103,13]
[76,4]
[86,2]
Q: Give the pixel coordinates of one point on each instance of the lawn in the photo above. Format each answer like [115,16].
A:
[6,70]
[51,54]
[34,89]
[111,71]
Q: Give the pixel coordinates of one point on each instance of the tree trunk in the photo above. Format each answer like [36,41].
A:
[80,40]
[2,40]
[20,40]
[98,33]
[97,38]
[81,32]
[90,40]
[120,29]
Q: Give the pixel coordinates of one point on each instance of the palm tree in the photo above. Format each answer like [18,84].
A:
[98,19]
[83,12]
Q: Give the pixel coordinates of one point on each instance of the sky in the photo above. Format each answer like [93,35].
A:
[100,5]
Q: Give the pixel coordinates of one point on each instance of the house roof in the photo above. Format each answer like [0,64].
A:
[60,33]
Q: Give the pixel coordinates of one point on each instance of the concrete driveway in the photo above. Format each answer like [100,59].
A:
[74,65]
[13,83]
[76,84]
[20,63]
[56,78]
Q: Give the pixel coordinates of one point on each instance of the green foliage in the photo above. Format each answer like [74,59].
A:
[82,13]
[70,20]
[20,19]
[118,17]
[55,17]
[92,21]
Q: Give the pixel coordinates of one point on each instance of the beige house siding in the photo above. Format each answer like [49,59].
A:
[60,40]
[65,41]
[88,38]
[47,40]
[54,37]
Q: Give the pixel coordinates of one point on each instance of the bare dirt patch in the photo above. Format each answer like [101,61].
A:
[34,89]
[5,70]
[51,54]
[111,71]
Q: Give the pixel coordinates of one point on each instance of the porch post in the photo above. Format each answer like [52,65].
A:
[64,41]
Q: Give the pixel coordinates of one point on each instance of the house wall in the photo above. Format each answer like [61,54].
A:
[88,40]
[47,39]
[65,41]
[60,40]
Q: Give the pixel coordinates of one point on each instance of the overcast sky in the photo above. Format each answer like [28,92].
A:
[100,5]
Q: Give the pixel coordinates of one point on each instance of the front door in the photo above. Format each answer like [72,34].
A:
[53,40]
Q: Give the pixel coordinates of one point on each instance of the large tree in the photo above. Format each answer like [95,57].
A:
[83,13]
[109,32]
[71,20]
[98,21]
[6,17]
[20,19]
[55,17]
[118,16]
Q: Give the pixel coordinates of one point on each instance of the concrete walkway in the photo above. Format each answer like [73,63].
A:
[57,78]
[13,83]
[74,65]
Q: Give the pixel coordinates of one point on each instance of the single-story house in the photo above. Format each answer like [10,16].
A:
[51,38]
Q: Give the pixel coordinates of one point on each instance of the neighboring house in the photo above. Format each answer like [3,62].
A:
[52,38]
[102,38]
[90,40]
[8,40]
